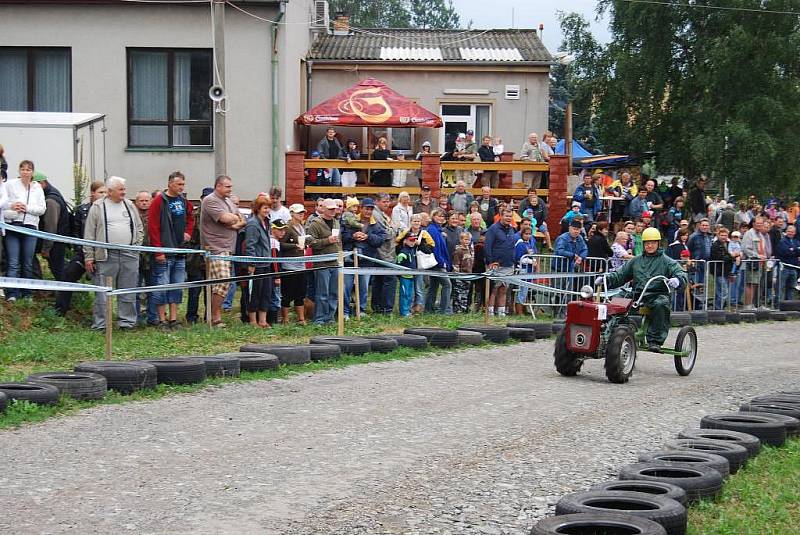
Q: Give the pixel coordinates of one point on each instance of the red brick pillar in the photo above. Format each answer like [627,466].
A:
[295,181]
[557,201]
[506,178]
[432,172]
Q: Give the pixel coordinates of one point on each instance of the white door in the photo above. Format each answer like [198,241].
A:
[458,118]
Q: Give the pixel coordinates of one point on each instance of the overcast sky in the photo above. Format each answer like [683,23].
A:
[528,14]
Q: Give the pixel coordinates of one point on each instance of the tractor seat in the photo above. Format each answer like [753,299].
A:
[644,311]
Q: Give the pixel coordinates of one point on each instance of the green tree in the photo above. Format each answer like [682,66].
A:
[429,14]
[436,14]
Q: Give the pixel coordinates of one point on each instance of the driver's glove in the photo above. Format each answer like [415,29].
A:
[674,282]
[599,280]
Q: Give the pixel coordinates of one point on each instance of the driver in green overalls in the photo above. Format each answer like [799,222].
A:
[651,263]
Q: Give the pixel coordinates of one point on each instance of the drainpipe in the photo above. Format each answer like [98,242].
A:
[275,132]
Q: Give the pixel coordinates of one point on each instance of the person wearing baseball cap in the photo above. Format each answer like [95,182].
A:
[572,247]
[294,286]
[323,238]
[364,240]
[425,203]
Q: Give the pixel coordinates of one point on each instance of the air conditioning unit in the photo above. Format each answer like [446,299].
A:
[512,92]
[322,17]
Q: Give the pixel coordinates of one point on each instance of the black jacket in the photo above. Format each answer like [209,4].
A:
[599,247]
[719,253]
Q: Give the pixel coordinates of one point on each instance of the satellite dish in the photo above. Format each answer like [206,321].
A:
[217,93]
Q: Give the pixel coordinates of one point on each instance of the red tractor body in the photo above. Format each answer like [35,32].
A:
[586,321]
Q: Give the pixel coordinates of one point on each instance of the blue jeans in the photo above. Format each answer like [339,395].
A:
[419,290]
[227,304]
[151,312]
[19,262]
[406,295]
[788,281]
[383,292]
[172,271]
[720,292]
[363,287]
[445,303]
[326,295]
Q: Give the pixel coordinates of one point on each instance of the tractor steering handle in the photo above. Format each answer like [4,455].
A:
[662,278]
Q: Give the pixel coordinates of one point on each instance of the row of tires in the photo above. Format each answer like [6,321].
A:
[722,317]
[650,497]
[92,380]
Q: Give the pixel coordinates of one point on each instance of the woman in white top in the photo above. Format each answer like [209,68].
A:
[402,212]
[23,206]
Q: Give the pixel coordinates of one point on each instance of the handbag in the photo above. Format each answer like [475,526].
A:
[426,260]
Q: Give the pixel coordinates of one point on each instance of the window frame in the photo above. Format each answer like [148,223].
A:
[30,66]
[170,122]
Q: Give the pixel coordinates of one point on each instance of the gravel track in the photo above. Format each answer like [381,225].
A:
[476,441]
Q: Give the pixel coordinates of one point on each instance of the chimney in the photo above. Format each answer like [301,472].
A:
[541,30]
[341,24]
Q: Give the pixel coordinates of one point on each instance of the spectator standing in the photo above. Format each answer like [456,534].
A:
[330,148]
[220,221]
[195,266]
[589,196]
[572,250]
[402,212]
[598,246]
[425,244]
[674,190]
[476,226]
[25,204]
[258,243]
[789,256]
[444,264]
[277,209]
[460,199]
[488,205]
[365,242]
[619,251]
[675,216]
[655,203]
[350,177]
[755,249]
[499,252]
[3,200]
[524,249]
[323,237]
[700,248]
[3,165]
[293,285]
[463,259]
[425,203]
[486,154]
[384,287]
[742,216]
[56,220]
[726,215]
[407,257]
[114,219]
[531,151]
[170,223]
[626,190]
[697,200]
[382,177]
[142,202]
[721,268]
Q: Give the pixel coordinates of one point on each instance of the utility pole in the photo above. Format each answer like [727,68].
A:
[220,147]
[568,135]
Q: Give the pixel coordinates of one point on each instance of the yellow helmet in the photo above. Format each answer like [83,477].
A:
[651,234]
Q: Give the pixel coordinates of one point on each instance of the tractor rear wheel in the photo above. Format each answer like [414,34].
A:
[621,354]
[567,362]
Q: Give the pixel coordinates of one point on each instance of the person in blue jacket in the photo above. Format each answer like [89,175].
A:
[789,255]
[366,242]
[589,196]
[444,264]
[499,251]
[572,247]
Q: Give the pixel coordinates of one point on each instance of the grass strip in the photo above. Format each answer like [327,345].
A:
[23,412]
[761,498]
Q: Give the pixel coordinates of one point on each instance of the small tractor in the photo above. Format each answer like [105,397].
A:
[608,330]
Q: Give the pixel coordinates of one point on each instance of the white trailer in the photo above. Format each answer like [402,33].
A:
[61,145]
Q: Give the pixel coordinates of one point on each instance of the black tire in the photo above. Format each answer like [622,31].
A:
[38,393]
[792,304]
[763,315]
[382,344]
[319,352]
[436,337]
[777,398]
[469,338]
[597,523]
[793,315]
[557,326]
[567,363]
[686,341]
[767,429]
[749,442]
[699,317]
[125,377]
[717,317]
[493,333]
[522,334]
[621,355]
[736,454]
[680,319]
[635,320]
[657,488]
[791,423]
[667,512]
[410,340]
[179,371]
[286,354]
[350,345]
[255,362]
[543,330]
[692,458]
[778,316]
[77,385]
[787,409]
[3,402]
[732,317]
[747,317]
[698,481]
[219,365]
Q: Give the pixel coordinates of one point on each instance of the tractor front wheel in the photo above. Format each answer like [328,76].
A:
[621,354]
[567,362]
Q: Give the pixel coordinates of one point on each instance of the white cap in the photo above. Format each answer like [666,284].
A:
[297,208]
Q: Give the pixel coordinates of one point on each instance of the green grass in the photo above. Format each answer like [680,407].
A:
[762,498]
[34,339]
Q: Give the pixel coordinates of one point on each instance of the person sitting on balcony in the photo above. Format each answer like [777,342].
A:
[330,148]
[382,177]
[486,154]
[350,177]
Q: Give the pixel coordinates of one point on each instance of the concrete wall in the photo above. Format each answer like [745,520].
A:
[99,35]
[511,119]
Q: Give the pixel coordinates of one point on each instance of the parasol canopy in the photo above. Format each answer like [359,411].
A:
[370,103]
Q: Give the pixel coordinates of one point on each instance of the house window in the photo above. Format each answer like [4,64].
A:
[168,103]
[35,79]
[458,118]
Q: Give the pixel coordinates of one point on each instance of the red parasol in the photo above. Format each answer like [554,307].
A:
[370,103]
